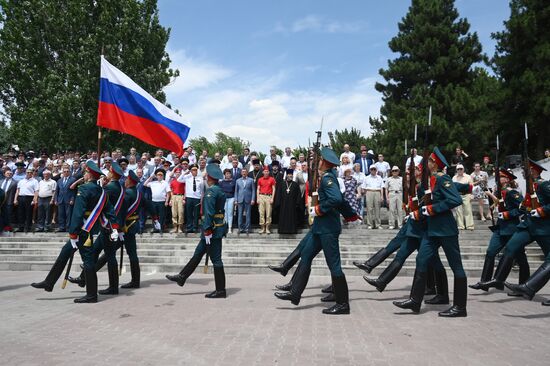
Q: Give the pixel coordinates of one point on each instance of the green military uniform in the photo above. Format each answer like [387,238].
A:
[213,229]
[441,231]
[325,231]
[86,204]
[505,227]
[535,227]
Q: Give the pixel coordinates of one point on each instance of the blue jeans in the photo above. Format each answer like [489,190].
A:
[244,208]
[229,202]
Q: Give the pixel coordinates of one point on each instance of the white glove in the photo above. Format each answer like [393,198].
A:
[501,215]
[156,224]
[411,216]
[312,212]
[207,239]
[121,236]
[74,242]
[114,235]
[425,211]
[535,213]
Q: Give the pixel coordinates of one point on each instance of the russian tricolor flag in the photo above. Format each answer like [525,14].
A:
[124,106]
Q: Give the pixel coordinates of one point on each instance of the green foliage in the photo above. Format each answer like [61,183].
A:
[220,144]
[522,62]
[351,137]
[434,67]
[49,57]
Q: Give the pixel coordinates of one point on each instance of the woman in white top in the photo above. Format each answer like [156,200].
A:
[346,165]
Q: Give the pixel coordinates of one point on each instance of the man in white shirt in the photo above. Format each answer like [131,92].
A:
[226,160]
[347,153]
[372,187]
[26,196]
[417,158]
[271,157]
[160,196]
[394,196]
[285,160]
[46,192]
[193,195]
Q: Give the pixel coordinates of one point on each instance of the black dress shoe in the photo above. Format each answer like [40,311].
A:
[279,269]
[77,280]
[454,312]
[287,296]
[363,266]
[438,300]
[286,287]
[177,278]
[337,309]
[376,283]
[408,304]
[327,290]
[216,295]
[329,298]
[430,291]
[520,290]
[86,299]
[109,291]
[545,303]
[47,287]
[485,286]
[477,286]
[130,285]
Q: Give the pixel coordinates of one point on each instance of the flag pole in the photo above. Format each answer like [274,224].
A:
[99,127]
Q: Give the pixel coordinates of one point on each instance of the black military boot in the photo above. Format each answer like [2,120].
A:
[430,282]
[385,277]
[91,288]
[524,274]
[486,273]
[52,277]
[219,279]
[80,281]
[298,285]
[503,270]
[441,290]
[534,284]
[113,281]
[379,257]
[329,298]
[184,274]
[459,301]
[288,263]
[135,271]
[328,290]
[341,293]
[414,302]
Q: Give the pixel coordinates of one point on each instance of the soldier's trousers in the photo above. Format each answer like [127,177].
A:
[86,253]
[104,243]
[130,246]
[331,248]
[498,242]
[409,246]
[522,238]
[397,241]
[429,250]
[215,251]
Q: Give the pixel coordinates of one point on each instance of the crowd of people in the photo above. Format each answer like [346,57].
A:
[40,188]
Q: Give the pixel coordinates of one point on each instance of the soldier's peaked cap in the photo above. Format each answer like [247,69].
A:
[214,171]
[330,156]
[133,177]
[93,169]
[115,168]
[439,158]
[536,166]
[507,173]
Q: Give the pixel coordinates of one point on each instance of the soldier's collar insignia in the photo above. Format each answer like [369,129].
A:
[329,182]
[447,184]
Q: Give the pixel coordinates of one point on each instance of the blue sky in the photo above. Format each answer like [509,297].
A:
[267,71]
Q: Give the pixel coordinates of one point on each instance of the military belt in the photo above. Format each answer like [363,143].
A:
[219,216]
[133,217]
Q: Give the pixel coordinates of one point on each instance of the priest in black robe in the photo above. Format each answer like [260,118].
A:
[289,200]
[278,176]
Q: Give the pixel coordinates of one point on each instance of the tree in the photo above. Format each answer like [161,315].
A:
[435,67]
[352,137]
[221,143]
[522,62]
[49,57]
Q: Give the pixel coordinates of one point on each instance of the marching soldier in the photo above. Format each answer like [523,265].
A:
[442,231]
[115,193]
[325,232]
[213,229]
[508,219]
[535,227]
[91,204]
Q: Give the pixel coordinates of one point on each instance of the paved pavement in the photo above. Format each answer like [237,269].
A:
[163,324]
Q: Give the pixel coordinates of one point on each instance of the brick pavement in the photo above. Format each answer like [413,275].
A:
[163,324]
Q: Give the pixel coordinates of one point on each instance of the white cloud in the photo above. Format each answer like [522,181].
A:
[317,23]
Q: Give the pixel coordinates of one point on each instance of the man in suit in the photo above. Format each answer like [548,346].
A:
[235,170]
[245,195]
[364,161]
[9,186]
[64,199]
[245,158]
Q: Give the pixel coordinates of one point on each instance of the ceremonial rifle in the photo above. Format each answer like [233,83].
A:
[410,201]
[427,198]
[530,202]
[314,172]
[498,203]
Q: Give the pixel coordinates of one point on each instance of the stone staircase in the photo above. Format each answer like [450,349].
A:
[252,253]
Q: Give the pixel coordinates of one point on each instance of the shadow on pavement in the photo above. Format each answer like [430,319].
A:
[13,287]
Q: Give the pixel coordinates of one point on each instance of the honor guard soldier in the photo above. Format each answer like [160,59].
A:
[325,232]
[91,204]
[508,219]
[534,227]
[442,231]
[114,189]
[213,230]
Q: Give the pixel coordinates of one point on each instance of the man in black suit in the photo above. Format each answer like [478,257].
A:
[9,186]
[245,158]
[64,199]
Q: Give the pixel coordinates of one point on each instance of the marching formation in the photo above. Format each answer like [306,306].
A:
[104,219]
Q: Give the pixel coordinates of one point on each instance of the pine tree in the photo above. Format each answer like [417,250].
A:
[436,66]
[522,62]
